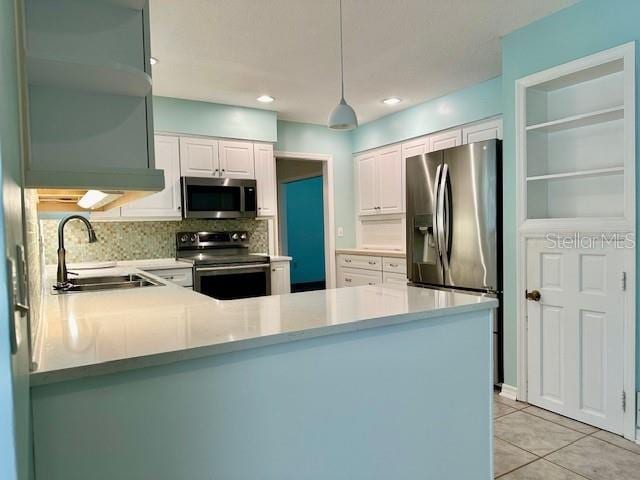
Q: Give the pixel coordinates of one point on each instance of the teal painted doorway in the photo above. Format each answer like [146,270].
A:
[304,205]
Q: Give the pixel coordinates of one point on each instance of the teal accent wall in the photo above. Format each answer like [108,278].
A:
[305,229]
[307,138]
[580,30]
[15,428]
[215,120]
[479,101]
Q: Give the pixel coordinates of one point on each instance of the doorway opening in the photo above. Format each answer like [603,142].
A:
[301,221]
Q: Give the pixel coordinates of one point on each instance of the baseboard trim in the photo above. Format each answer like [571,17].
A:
[509,391]
[638,435]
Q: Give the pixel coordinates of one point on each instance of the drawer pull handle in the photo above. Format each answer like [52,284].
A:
[394,265]
[347,280]
[371,283]
[348,260]
[372,263]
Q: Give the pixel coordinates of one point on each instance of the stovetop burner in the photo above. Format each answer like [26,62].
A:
[216,248]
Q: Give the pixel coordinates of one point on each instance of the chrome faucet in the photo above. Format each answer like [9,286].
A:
[63,275]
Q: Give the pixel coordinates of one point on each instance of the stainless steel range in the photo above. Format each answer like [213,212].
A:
[223,268]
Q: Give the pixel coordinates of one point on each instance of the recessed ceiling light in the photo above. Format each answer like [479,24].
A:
[391,101]
[153,60]
[265,98]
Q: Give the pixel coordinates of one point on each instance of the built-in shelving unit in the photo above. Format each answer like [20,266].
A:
[576,141]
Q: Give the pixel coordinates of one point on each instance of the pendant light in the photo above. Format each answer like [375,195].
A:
[343,117]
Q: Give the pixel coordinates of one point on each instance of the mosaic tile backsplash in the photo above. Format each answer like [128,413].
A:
[139,240]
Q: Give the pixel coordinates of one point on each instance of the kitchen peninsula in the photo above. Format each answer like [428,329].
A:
[372,382]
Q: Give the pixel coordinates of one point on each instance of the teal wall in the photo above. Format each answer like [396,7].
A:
[203,118]
[305,229]
[580,30]
[306,138]
[479,101]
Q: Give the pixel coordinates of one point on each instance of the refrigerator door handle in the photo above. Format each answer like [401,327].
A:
[440,217]
[446,217]
[436,222]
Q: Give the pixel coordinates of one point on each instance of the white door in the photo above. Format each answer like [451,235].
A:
[366,170]
[165,204]
[265,167]
[482,131]
[575,332]
[389,163]
[448,139]
[198,157]
[236,159]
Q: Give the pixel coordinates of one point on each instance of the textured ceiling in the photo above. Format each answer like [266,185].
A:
[231,51]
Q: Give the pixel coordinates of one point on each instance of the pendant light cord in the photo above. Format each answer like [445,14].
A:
[341,59]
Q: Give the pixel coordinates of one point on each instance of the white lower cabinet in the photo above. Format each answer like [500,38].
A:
[355,270]
[355,277]
[179,276]
[280,277]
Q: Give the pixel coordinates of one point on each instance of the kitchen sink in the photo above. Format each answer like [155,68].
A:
[111,282]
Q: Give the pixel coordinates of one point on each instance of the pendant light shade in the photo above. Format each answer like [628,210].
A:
[343,117]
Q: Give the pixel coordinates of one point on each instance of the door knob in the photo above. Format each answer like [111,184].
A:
[533,295]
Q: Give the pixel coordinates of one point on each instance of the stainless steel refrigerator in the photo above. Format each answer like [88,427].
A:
[454,223]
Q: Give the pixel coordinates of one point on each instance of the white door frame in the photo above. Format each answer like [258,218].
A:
[329,215]
[532,229]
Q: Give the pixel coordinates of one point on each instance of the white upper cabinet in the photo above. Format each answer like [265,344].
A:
[379,181]
[482,131]
[166,203]
[414,147]
[265,169]
[236,159]
[199,157]
[367,179]
[447,139]
[389,162]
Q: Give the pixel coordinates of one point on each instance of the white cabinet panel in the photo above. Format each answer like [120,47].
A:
[355,277]
[482,131]
[448,139]
[367,179]
[360,261]
[165,204]
[198,157]
[390,180]
[414,147]
[394,265]
[236,159]
[394,278]
[265,169]
[280,278]
[179,276]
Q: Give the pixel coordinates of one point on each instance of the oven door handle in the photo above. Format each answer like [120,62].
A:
[232,267]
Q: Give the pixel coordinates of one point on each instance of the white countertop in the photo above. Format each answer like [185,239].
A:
[374,252]
[93,333]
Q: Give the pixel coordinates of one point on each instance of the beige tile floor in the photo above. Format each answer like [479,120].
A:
[535,444]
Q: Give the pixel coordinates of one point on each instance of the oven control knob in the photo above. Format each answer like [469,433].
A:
[194,238]
[235,237]
[243,236]
[184,238]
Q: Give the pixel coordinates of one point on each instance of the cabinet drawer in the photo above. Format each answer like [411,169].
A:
[360,261]
[394,278]
[355,277]
[179,276]
[394,265]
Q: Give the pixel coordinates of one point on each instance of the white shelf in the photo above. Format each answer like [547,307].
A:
[582,120]
[115,79]
[581,173]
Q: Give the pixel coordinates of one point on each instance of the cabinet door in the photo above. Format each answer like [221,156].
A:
[389,164]
[482,131]
[280,278]
[166,203]
[198,157]
[448,139]
[236,159]
[367,181]
[394,278]
[355,277]
[265,167]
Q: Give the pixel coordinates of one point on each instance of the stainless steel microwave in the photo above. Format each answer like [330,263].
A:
[218,197]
